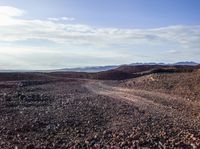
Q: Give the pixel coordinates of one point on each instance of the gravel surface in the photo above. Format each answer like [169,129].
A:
[75,113]
[186,85]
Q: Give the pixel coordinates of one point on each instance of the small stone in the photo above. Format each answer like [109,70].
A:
[87,142]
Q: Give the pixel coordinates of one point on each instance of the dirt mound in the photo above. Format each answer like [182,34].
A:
[186,85]
[127,72]
[198,66]
[137,69]
[155,68]
[113,75]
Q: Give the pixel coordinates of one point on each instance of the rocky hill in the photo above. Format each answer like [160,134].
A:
[185,84]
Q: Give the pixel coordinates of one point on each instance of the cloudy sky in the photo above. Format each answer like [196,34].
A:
[49,34]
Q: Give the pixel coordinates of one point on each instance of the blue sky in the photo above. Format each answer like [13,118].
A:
[115,13]
[47,34]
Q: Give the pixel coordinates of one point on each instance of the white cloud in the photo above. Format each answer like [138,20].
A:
[67,19]
[55,31]
[84,34]
[115,41]
[53,19]
[7,13]
[61,19]
[25,57]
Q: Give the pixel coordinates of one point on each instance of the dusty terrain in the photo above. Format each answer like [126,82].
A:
[186,85]
[45,111]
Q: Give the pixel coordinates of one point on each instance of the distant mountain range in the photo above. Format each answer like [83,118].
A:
[178,63]
[90,69]
[105,68]
[187,63]
[102,68]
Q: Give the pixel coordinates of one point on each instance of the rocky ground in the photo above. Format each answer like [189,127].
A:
[76,113]
[186,85]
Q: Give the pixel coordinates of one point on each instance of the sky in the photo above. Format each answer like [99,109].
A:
[49,34]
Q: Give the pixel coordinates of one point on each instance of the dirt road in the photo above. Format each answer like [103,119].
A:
[152,102]
[183,114]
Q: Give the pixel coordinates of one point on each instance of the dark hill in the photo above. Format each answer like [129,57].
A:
[126,72]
